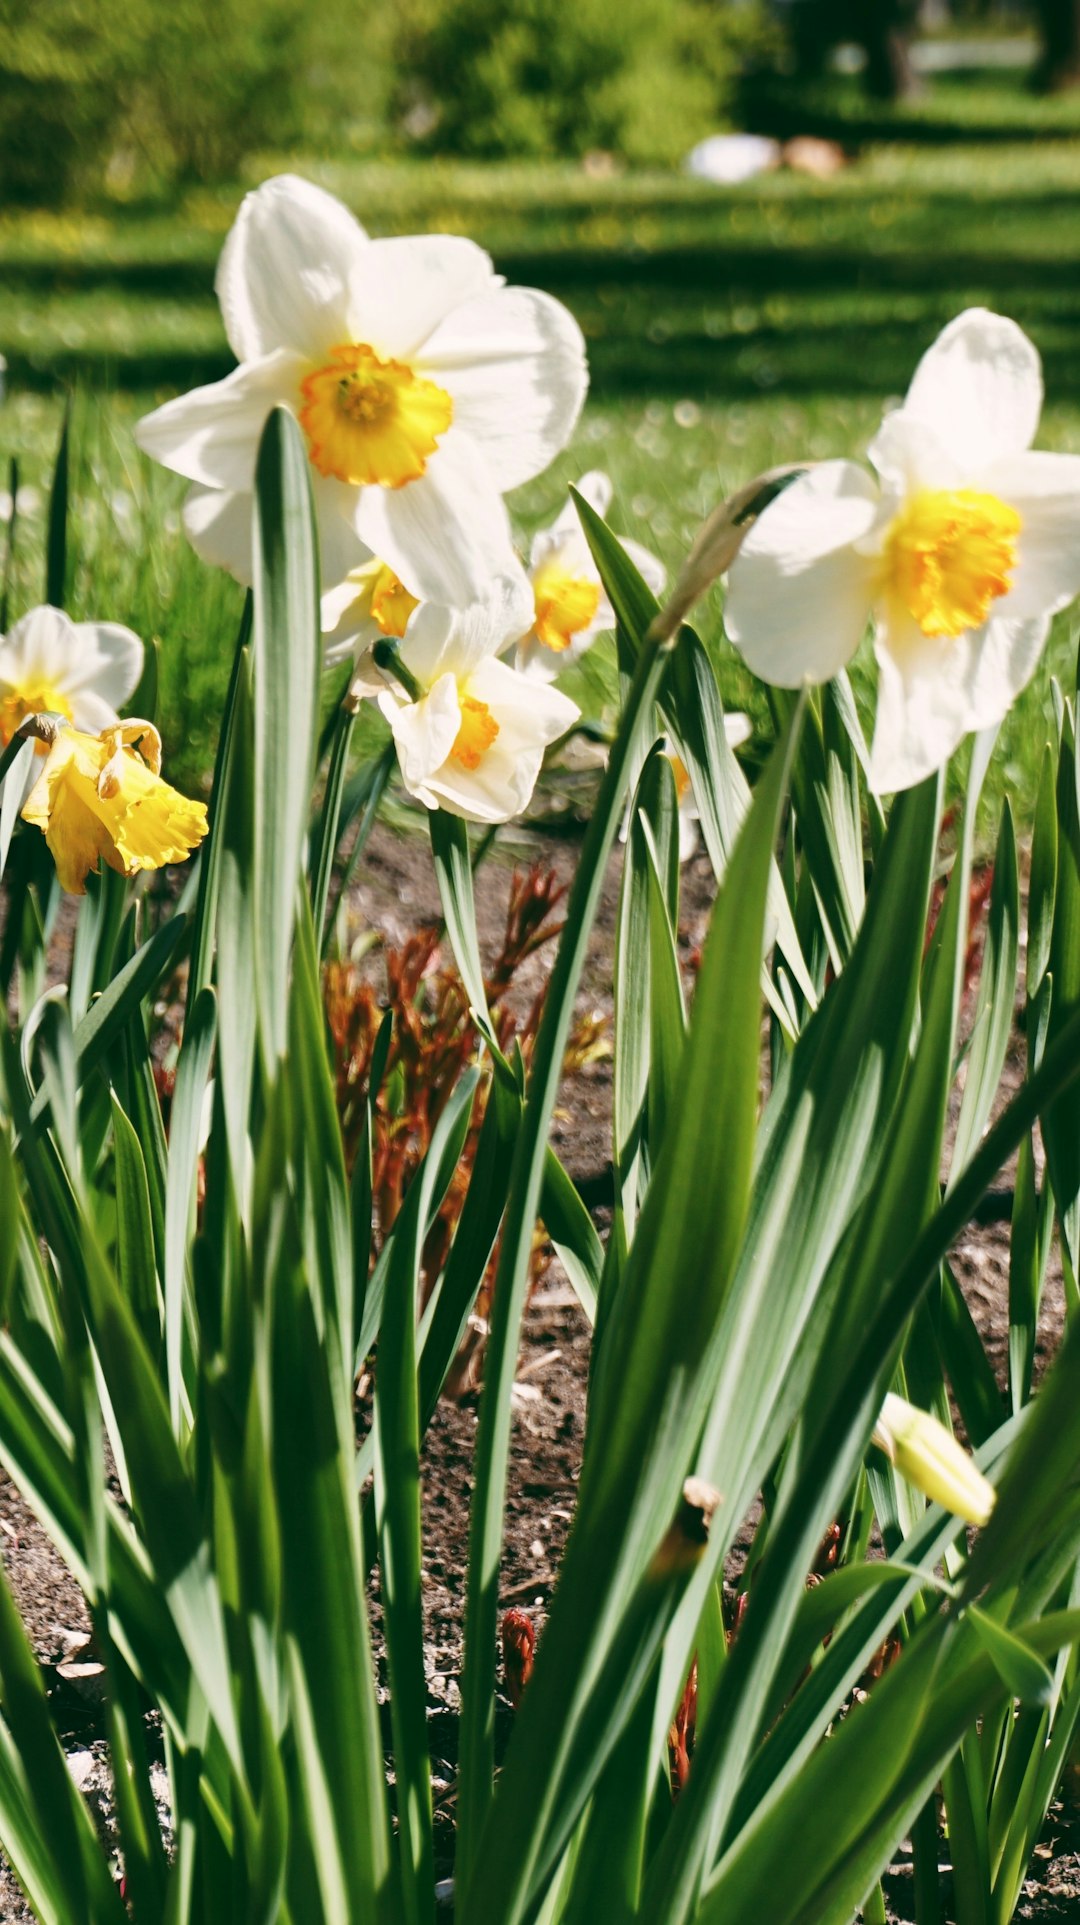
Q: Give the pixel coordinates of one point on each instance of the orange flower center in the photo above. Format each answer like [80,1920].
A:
[565,604]
[370,422]
[476,734]
[949,555]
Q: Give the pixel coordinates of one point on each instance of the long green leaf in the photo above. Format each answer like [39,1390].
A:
[287,662]
[486,1521]
[647,1398]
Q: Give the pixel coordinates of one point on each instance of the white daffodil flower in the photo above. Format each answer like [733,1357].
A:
[424,387]
[963,548]
[470,731]
[84,671]
[928,1456]
[570,608]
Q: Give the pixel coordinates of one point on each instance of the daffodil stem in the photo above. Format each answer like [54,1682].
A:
[388,658]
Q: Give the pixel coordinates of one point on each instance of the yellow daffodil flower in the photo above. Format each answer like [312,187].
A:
[98,798]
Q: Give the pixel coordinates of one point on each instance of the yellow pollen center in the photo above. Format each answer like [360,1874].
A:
[370,422]
[391,603]
[31,698]
[565,604]
[949,554]
[476,734]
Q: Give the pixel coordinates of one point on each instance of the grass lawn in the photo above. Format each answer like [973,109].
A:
[727,330]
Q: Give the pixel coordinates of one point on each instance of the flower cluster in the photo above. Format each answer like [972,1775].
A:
[426,390]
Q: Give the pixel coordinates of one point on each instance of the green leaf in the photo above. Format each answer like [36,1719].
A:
[362,796]
[447,1314]
[453,869]
[1061,1120]
[1022,1672]
[692,709]
[992,1024]
[654,802]
[110,1014]
[573,1233]
[45,1825]
[135,1253]
[327,1651]
[1042,880]
[287,662]
[210,854]
[649,1394]
[361,1180]
[192,1077]
[12,794]
[486,1523]
[325,839]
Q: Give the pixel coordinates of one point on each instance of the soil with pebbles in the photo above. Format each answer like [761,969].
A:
[397,892]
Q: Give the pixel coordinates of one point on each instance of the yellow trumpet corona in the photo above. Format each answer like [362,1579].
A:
[101,797]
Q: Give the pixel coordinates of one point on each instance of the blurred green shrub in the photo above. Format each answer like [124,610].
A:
[136,92]
[182,90]
[563,77]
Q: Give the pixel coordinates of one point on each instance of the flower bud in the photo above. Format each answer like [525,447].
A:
[928,1456]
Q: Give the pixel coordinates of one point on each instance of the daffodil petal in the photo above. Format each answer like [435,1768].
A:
[597,489]
[1045,491]
[908,455]
[799,591]
[45,646]
[217,523]
[513,362]
[979,389]
[404,287]
[107,664]
[445,534]
[424,732]
[529,718]
[933,693]
[689,834]
[285,271]
[212,434]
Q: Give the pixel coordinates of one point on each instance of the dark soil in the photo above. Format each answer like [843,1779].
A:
[397,893]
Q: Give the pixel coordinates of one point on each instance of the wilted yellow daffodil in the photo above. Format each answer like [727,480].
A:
[962,549]
[99,797]
[83,671]
[928,1456]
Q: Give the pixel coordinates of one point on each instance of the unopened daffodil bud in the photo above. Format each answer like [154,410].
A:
[928,1456]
